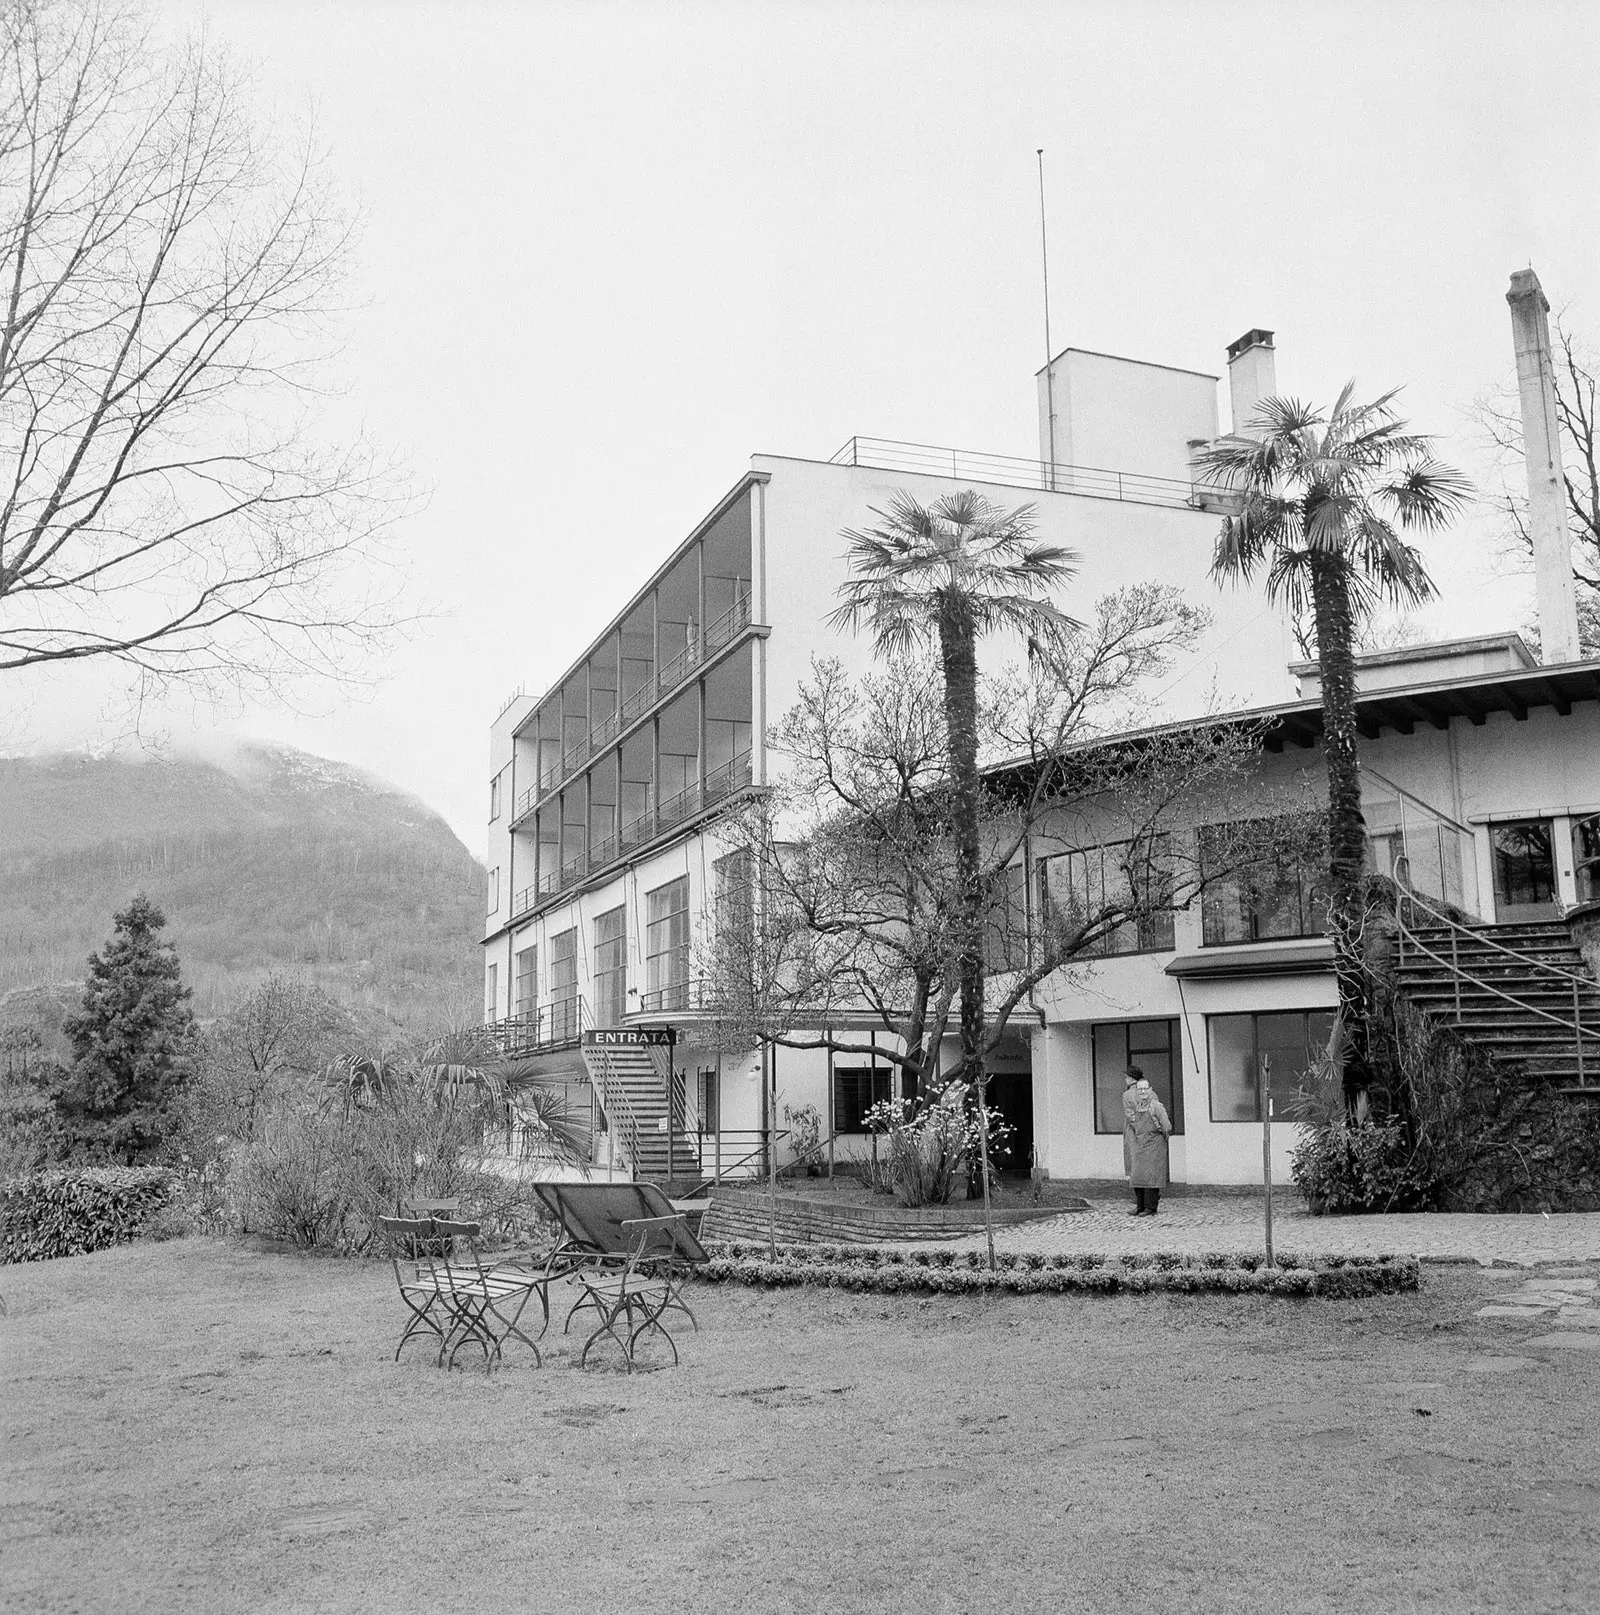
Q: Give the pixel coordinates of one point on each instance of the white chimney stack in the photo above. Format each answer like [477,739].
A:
[1252,376]
[1547,484]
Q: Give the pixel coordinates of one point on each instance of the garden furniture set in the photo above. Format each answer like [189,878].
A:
[622,1244]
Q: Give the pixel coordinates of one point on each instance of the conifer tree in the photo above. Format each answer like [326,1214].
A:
[132,1041]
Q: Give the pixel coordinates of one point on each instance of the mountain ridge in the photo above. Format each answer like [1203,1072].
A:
[267,858]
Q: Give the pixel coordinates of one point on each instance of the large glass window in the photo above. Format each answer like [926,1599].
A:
[564,984]
[1280,893]
[1005,921]
[1293,1040]
[492,987]
[1156,1047]
[1091,887]
[1524,871]
[667,944]
[610,967]
[1586,857]
[527,981]
[856,1089]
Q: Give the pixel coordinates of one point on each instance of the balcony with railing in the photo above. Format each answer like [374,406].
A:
[556,1025]
[713,638]
[721,785]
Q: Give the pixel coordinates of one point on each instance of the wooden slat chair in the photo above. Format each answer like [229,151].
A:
[614,1229]
[454,1294]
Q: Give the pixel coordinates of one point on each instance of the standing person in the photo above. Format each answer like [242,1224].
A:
[1144,1142]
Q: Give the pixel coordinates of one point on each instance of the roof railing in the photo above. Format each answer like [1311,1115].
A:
[1088,482]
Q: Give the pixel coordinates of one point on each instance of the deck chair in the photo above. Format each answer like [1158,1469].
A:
[454,1294]
[612,1227]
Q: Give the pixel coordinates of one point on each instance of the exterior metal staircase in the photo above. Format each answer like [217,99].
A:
[1521,991]
[647,1110]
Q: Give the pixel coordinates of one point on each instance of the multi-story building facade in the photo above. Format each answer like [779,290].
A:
[606,791]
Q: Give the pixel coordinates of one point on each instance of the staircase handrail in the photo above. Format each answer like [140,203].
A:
[1453,964]
[618,1108]
[1410,896]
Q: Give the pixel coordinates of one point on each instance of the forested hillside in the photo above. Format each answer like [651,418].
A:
[264,858]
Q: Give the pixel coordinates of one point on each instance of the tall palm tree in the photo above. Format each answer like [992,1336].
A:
[946,574]
[1325,500]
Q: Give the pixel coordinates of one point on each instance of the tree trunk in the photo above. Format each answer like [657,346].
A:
[1347,830]
[958,650]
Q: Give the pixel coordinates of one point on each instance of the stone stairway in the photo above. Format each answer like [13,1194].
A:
[632,1083]
[1464,982]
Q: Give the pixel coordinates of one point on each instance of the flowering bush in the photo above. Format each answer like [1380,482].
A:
[887,1270]
[927,1142]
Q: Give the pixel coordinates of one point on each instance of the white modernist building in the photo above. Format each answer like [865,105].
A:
[606,789]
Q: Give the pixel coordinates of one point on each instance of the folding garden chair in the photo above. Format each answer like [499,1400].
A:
[635,1295]
[454,1294]
[612,1228]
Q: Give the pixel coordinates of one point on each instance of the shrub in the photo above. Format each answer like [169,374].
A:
[1340,1166]
[73,1211]
[888,1271]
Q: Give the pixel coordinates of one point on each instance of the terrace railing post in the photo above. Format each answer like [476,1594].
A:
[1455,967]
[1577,1031]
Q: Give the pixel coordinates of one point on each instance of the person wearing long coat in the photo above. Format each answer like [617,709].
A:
[1144,1143]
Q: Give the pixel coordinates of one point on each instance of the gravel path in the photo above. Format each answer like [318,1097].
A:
[1196,1223]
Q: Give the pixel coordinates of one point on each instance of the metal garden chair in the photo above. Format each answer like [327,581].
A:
[454,1294]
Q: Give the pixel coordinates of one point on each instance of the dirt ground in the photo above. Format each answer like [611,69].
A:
[197,1427]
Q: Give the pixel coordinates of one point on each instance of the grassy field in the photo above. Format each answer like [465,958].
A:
[197,1427]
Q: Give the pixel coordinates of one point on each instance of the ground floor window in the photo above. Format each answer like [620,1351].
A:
[708,1099]
[564,985]
[1294,1040]
[856,1089]
[1156,1048]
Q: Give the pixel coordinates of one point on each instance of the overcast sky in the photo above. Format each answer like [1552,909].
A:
[612,250]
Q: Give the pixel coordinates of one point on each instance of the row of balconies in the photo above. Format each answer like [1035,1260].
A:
[716,636]
[718,786]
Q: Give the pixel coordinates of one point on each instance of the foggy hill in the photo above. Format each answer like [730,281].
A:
[261,856]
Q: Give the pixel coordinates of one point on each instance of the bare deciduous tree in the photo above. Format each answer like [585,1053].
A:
[167,277]
[836,922]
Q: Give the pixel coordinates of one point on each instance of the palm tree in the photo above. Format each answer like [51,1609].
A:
[946,574]
[1323,499]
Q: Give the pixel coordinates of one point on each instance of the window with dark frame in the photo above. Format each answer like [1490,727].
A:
[856,1089]
[1283,897]
[1075,888]
[494,799]
[1293,1039]
[1156,1047]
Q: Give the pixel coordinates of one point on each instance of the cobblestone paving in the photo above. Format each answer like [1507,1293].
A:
[1196,1223]
[1563,1304]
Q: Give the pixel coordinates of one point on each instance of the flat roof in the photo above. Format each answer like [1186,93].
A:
[1402,708]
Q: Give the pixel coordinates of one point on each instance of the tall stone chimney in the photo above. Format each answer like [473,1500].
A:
[1252,376]
[1547,489]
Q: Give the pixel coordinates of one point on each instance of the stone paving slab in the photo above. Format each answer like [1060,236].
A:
[1196,1223]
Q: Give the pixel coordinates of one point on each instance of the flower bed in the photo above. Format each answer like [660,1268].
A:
[79,1209]
[886,1270]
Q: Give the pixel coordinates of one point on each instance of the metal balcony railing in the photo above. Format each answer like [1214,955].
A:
[702,646]
[970,465]
[676,995]
[718,786]
[557,1024]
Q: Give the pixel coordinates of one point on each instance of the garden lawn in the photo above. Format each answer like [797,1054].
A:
[198,1427]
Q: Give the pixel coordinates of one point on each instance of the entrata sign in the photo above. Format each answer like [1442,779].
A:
[630,1037]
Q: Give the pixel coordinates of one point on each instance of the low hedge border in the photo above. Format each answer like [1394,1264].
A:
[888,1271]
[74,1210]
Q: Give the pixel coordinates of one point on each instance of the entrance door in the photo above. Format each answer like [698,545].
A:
[1524,872]
[1011,1093]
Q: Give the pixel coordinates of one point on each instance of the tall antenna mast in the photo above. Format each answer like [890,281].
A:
[1049,351]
